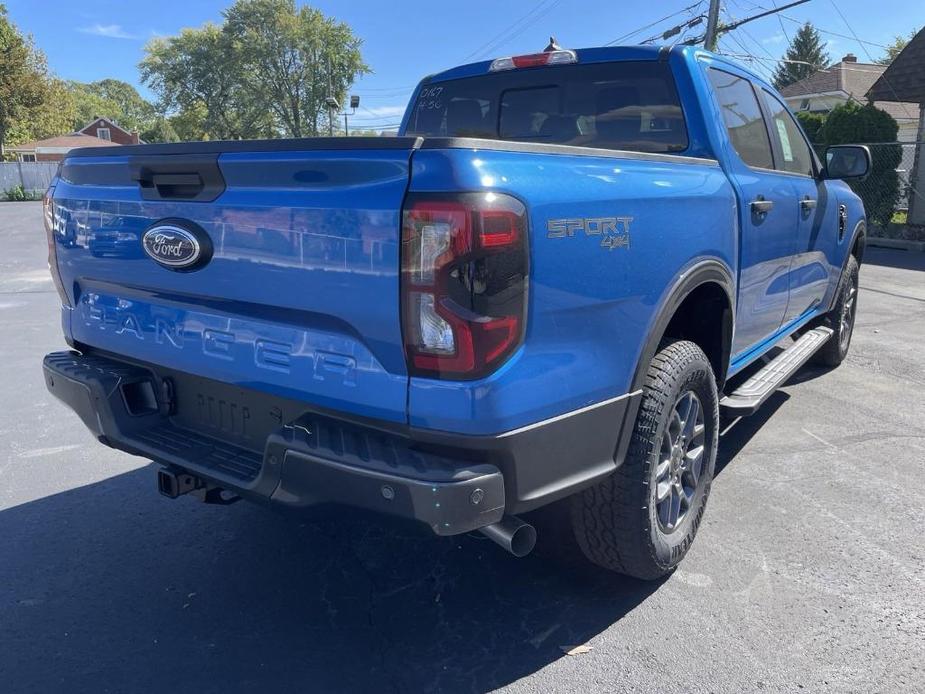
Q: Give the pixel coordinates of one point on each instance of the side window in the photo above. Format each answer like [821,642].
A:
[796,157]
[743,119]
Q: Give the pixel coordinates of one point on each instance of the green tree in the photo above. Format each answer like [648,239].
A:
[200,71]
[806,55]
[189,124]
[295,58]
[265,72]
[160,130]
[24,82]
[896,47]
[89,104]
[852,123]
[113,99]
[54,115]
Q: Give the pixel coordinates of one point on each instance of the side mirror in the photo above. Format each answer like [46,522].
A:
[847,161]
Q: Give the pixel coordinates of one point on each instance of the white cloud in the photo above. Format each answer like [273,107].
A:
[110,31]
[777,38]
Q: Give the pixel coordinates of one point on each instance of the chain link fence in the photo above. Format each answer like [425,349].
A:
[890,188]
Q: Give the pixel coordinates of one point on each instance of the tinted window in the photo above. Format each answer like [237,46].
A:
[629,105]
[795,154]
[743,119]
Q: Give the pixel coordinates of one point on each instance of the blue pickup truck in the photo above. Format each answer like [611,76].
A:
[548,287]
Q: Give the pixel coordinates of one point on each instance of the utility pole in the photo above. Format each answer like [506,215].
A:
[714,28]
[712,33]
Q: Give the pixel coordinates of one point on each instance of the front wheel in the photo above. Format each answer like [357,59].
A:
[641,520]
[841,318]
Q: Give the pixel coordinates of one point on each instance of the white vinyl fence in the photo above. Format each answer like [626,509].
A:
[33,176]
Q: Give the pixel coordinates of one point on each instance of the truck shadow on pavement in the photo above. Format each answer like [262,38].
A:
[110,587]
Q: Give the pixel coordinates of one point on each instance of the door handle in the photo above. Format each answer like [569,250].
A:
[807,204]
[761,206]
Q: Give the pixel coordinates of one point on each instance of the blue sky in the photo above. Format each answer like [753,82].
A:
[406,39]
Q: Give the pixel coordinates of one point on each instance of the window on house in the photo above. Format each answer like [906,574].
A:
[28,157]
[103,134]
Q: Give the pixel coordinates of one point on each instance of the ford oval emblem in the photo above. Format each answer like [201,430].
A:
[177,245]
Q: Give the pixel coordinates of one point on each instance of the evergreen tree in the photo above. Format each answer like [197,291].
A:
[807,54]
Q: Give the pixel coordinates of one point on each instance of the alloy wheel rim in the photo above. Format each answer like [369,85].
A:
[680,462]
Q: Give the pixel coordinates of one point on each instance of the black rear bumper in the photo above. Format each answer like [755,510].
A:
[286,453]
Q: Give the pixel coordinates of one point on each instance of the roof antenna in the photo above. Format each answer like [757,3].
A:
[553,46]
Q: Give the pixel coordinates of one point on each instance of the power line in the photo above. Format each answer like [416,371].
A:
[781,22]
[689,8]
[675,30]
[388,89]
[883,76]
[801,22]
[749,36]
[737,24]
[498,40]
[514,30]
[747,55]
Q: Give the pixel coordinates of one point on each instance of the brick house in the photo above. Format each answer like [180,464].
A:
[100,132]
[107,129]
[54,148]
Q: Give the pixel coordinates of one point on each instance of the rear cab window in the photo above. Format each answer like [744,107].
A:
[795,154]
[742,118]
[631,105]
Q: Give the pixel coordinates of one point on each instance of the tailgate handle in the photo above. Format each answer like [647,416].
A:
[192,178]
[171,186]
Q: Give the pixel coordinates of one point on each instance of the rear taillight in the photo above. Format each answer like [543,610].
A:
[463,282]
[48,210]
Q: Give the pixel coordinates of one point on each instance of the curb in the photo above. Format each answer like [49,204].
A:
[898,244]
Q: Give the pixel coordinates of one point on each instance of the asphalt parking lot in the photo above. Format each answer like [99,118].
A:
[808,572]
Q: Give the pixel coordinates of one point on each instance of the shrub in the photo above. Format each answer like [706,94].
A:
[812,123]
[854,123]
[14,194]
[18,194]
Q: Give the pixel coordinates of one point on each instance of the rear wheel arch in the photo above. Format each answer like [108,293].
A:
[699,307]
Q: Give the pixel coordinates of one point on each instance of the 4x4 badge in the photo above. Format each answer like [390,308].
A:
[614,231]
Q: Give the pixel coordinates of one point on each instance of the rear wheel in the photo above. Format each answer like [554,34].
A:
[641,520]
[841,318]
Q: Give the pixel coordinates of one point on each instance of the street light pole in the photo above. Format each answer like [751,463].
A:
[331,102]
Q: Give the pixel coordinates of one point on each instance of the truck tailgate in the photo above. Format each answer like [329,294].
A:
[300,297]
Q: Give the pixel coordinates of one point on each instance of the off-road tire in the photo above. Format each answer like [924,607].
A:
[833,352]
[615,522]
